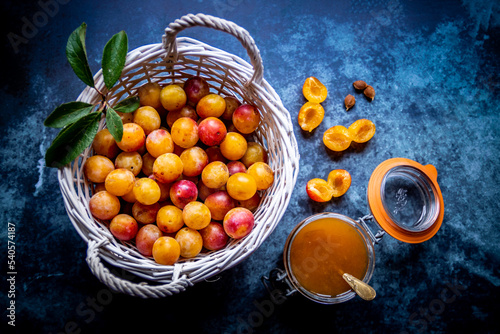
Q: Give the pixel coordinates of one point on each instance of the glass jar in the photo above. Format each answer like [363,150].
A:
[405,201]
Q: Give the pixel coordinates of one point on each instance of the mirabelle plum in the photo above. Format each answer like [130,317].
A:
[214,154]
[214,237]
[169,219]
[159,142]
[337,138]
[190,241]
[126,117]
[255,152]
[167,168]
[131,161]
[238,223]
[147,118]
[212,131]
[194,160]
[147,164]
[146,191]
[319,190]
[146,237]
[129,197]
[246,118]
[104,205]
[149,95]
[340,181]
[196,88]
[133,138]
[104,144]
[310,116]
[182,192]
[173,97]
[204,191]
[236,167]
[196,215]
[211,105]
[219,203]
[145,214]
[215,175]
[98,187]
[251,204]
[119,182]
[97,167]
[186,111]
[185,132]
[234,146]
[314,90]
[263,175]
[241,186]
[361,130]
[123,227]
[166,250]
[164,189]
[231,104]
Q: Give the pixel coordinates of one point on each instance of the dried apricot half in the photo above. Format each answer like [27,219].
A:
[314,90]
[361,131]
[319,190]
[340,181]
[337,138]
[310,116]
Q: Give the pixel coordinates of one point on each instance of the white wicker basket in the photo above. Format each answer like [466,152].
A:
[175,60]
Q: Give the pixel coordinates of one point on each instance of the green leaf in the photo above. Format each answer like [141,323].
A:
[77,55]
[114,124]
[67,113]
[72,140]
[113,58]
[130,104]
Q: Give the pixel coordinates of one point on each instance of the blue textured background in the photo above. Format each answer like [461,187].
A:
[435,69]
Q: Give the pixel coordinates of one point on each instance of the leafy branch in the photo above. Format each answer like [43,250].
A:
[79,121]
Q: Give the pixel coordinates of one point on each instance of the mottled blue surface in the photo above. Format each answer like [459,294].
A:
[435,69]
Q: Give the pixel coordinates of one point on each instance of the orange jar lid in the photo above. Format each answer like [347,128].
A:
[405,199]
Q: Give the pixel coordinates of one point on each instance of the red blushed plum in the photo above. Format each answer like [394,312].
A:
[219,204]
[186,111]
[214,237]
[238,223]
[146,237]
[236,167]
[231,104]
[204,191]
[246,118]
[212,131]
[196,88]
[251,204]
[214,154]
[124,227]
[182,192]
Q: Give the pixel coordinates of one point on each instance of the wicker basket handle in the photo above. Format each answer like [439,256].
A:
[118,284]
[213,22]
